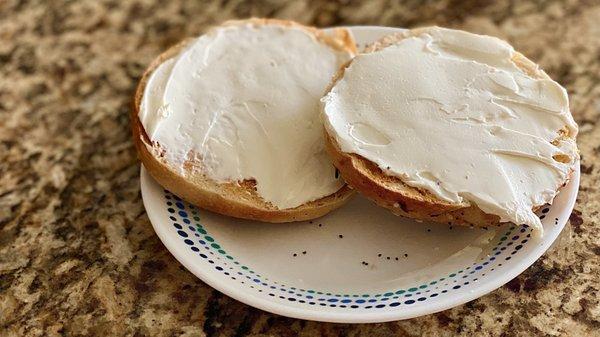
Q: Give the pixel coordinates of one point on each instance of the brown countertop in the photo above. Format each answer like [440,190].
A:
[77,253]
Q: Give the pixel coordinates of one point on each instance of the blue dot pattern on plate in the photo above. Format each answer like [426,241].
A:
[185,220]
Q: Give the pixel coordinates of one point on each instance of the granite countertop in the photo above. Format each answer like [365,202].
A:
[77,253]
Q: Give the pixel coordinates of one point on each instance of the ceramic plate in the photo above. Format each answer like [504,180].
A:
[357,264]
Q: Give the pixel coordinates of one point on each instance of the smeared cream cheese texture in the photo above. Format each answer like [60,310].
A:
[244,101]
[449,112]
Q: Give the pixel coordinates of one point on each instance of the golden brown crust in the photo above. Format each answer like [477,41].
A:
[340,39]
[234,199]
[390,192]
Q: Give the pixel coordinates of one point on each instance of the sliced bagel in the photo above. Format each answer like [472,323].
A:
[168,112]
[411,157]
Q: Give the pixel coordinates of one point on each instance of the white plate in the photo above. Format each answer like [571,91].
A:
[358,264]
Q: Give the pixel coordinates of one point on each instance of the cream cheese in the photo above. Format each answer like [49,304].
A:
[450,112]
[243,100]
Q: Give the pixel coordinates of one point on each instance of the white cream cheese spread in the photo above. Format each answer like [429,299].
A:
[450,112]
[243,100]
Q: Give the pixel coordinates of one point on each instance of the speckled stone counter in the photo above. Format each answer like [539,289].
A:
[77,253]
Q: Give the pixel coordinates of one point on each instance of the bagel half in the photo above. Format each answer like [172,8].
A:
[234,198]
[391,192]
